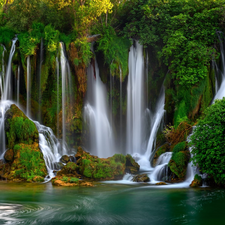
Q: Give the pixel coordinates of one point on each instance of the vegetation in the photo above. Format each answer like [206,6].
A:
[208,142]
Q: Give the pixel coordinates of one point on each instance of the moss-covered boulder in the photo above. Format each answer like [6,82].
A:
[19,128]
[141,178]
[179,160]
[24,160]
[197,182]
[65,159]
[131,165]
[112,168]
[70,181]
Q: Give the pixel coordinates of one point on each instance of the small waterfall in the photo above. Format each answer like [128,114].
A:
[7,91]
[18,86]
[160,172]
[2,74]
[135,99]
[28,111]
[97,115]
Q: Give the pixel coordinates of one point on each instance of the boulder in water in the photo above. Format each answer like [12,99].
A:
[161,183]
[141,178]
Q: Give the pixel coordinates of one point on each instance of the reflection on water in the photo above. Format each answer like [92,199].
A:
[109,204]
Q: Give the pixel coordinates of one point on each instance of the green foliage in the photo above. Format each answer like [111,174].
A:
[84,51]
[51,37]
[6,35]
[208,142]
[65,179]
[22,130]
[115,50]
[29,40]
[187,29]
[74,180]
[119,158]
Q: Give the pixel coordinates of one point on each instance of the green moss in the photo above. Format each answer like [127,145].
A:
[22,130]
[74,180]
[179,147]
[28,162]
[65,179]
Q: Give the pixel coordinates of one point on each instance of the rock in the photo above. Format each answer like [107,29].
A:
[72,159]
[58,165]
[131,166]
[162,149]
[141,178]
[9,155]
[70,182]
[38,179]
[70,169]
[65,159]
[161,183]
[197,182]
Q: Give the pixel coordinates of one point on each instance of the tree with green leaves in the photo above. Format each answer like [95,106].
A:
[208,142]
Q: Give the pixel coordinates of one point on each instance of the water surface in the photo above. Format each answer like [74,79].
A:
[109,204]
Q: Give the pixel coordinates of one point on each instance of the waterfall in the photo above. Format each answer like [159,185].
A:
[66,89]
[39,78]
[7,91]
[18,86]
[121,109]
[97,115]
[2,75]
[28,111]
[221,92]
[135,99]
[57,75]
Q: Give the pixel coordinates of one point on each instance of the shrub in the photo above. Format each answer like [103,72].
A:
[208,142]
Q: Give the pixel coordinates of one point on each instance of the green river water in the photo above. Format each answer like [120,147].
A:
[109,204]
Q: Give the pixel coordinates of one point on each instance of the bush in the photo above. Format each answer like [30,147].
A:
[179,147]
[208,142]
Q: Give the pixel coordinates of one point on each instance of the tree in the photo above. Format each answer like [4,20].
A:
[208,142]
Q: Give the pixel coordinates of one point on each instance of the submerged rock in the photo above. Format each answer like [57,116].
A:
[141,178]
[161,183]
[70,182]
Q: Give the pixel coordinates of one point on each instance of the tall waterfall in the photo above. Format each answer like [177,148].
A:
[97,115]
[66,89]
[135,100]
[28,111]
[7,92]
[136,110]
[18,86]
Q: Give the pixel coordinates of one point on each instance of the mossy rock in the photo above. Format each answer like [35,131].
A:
[19,128]
[9,155]
[112,168]
[70,182]
[141,178]
[65,159]
[178,164]
[28,163]
[70,168]
[197,182]
[131,165]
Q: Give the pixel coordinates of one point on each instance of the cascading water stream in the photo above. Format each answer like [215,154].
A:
[18,87]
[221,92]
[28,110]
[57,75]
[2,74]
[7,91]
[97,115]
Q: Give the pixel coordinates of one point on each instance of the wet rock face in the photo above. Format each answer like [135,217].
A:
[141,178]
[9,155]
